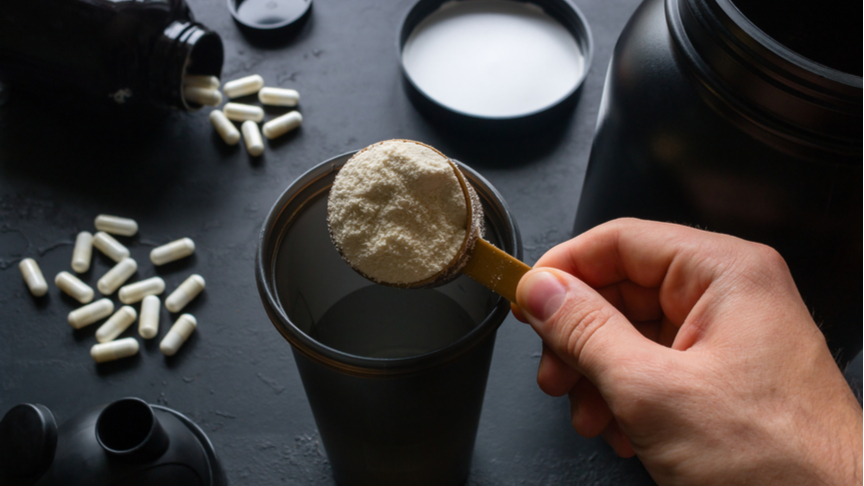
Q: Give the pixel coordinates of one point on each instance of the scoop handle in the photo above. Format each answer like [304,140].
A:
[495,269]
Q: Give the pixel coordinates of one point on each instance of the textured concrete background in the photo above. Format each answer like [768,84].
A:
[60,167]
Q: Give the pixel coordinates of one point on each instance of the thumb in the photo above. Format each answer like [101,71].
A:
[579,325]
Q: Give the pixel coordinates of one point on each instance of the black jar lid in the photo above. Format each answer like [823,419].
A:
[269,17]
[560,21]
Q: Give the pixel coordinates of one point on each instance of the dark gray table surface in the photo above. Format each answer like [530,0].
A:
[235,376]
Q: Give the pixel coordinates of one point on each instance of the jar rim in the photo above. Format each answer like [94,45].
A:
[287,206]
[788,101]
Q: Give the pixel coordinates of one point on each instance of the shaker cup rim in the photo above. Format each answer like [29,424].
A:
[269,241]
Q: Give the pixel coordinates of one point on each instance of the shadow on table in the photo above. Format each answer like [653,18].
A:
[116,366]
[175,267]
[184,353]
[99,151]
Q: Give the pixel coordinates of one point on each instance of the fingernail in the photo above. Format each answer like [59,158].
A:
[542,294]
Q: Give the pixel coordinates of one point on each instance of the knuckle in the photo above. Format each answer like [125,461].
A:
[620,224]
[584,321]
[764,267]
[770,258]
[627,220]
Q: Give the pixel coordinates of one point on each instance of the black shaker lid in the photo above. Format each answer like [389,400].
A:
[28,439]
[268,17]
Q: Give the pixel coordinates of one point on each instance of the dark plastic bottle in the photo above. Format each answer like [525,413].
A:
[708,119]
[125,53]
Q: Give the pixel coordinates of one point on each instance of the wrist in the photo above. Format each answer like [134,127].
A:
[835,451]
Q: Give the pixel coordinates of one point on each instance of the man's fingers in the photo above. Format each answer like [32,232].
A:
[637,303]
[554,376]
[579,326]
[589,413]
[517,313]
[667,332]
[618,440]
[647,254]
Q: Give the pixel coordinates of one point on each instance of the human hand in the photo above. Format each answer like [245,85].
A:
[694,351]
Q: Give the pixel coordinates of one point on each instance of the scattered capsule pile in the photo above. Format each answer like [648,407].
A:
[204,90]
[146,291]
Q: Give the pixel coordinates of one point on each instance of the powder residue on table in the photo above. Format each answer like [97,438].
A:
[397,212]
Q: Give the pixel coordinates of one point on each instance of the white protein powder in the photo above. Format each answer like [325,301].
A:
[493,58]
[397,212]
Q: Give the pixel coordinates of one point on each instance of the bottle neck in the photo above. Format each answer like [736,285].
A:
[183,48]
[755,79]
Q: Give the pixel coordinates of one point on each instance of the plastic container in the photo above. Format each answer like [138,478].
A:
[126,53]
[125,442]
[706,120]
[410,418]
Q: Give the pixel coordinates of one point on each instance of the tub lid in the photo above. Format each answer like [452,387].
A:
[495,59]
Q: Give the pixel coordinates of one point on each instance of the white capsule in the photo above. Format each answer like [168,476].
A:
[116,324]
[33,277]
[90,313]
[129,294]
[172,251]
[83,252]
[112,248]
[201,81]
[282,125]
[202,96]
[121,348]
[184,294]
[243,86]
[116,225]
[252,137]
[76,289]
[178,334]
[224,127]
[278,97]
[148,324]
[117,276]
[241,112]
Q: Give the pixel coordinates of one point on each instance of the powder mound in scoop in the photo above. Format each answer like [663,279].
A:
[397,212]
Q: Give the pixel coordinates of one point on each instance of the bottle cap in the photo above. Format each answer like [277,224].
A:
[269,17]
